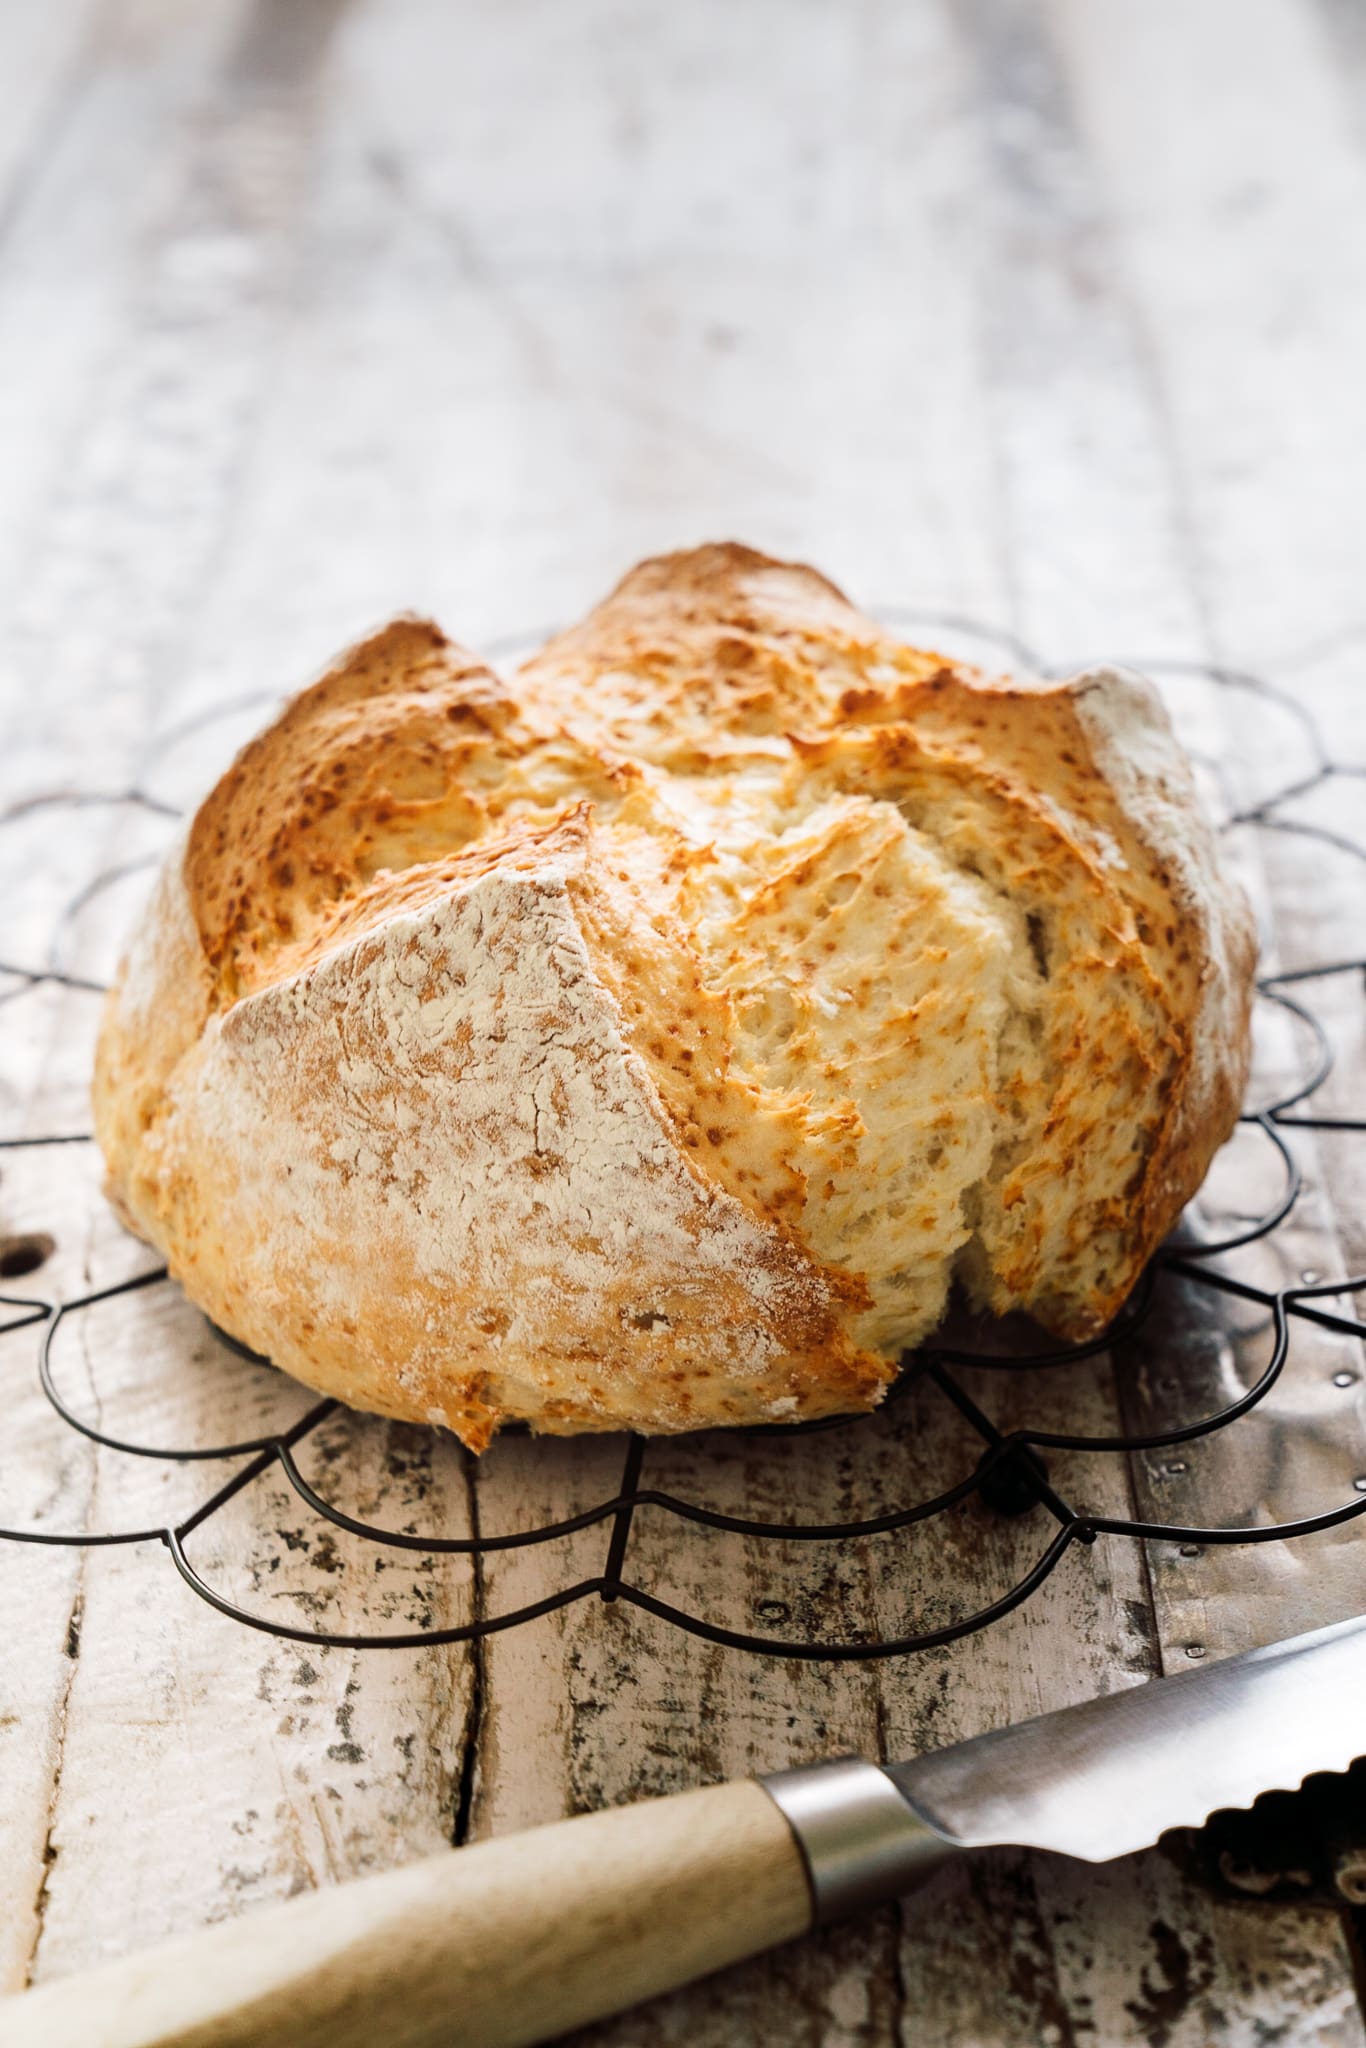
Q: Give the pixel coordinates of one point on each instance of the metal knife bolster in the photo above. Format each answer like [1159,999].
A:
[861,1839]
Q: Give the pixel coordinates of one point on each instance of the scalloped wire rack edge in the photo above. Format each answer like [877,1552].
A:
[1010,1475]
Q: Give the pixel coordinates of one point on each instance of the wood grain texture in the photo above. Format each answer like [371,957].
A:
[1048,315]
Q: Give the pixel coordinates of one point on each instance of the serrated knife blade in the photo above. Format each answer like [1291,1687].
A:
[1093,1781]
[1107,1777]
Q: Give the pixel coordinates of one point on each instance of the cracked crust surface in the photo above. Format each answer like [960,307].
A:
[649,1040]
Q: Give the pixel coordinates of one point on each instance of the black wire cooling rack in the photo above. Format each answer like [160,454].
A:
[1011,1476]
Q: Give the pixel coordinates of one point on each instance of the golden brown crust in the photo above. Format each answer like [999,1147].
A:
[694,651]
[651,1041]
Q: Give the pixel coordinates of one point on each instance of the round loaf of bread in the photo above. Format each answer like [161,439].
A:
[650,1041]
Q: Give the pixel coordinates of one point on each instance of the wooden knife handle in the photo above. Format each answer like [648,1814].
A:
[512,1941]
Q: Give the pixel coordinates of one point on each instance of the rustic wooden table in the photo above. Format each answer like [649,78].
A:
[1047,315]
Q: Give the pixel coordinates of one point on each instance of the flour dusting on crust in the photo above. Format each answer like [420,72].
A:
[1136,750]
[453,1093]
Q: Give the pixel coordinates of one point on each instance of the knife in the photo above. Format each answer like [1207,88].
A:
[516,1940]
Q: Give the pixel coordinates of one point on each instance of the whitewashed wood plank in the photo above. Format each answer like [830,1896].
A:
[250,1768]
[1223,140]
[1096,532]
[190,1766]
[1125,1954]
[93,181]
[50,1475]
